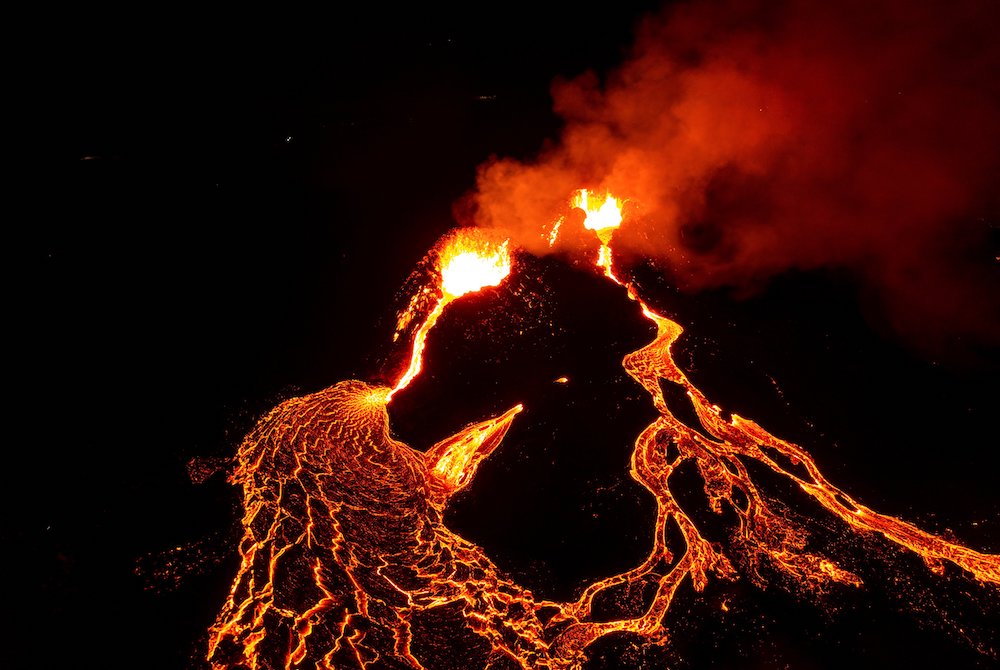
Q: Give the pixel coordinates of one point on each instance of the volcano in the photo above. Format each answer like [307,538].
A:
[223,211]
[347,560]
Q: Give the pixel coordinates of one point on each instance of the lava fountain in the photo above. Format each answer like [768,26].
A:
[467,262]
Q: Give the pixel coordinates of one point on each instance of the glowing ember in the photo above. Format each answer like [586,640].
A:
[554,233]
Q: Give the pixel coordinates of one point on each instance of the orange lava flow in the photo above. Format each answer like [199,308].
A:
[765,534]
[345,560]
[467,262]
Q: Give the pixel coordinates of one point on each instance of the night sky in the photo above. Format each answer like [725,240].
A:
[223,212]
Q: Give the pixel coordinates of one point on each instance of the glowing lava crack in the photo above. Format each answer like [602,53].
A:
[346,562]
[345,553]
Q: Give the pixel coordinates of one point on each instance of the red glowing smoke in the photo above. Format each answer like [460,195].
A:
[758,137]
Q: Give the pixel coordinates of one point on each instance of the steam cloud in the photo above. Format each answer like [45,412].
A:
[755,137]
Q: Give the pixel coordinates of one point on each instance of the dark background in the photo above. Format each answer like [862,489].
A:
[222,211]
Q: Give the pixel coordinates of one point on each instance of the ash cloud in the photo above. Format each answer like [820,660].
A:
[757,137]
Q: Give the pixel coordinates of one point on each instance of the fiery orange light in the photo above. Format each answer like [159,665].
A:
[346,556]
[602,218]
[769,537]
[467,262]
[554,232]
[465,270]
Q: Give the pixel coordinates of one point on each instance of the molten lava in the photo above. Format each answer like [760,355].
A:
[765,534]
[467,262]
[346,561]
[603,219]
[469,271]
[345,555]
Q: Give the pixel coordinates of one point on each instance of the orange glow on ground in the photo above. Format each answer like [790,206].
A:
[346,557]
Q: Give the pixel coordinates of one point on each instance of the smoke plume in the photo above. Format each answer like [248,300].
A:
[753,137]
